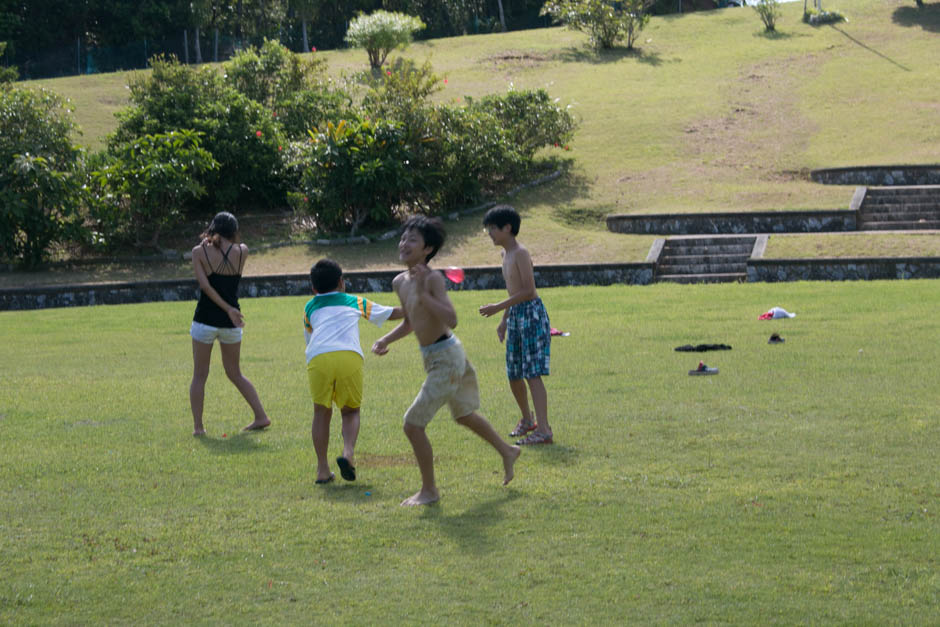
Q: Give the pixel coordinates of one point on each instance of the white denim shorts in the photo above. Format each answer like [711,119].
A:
[207,335]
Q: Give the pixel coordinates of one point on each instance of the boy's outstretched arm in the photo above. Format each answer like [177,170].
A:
[397,313]
[380,347]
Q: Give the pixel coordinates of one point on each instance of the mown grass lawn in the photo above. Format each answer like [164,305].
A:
[798,485]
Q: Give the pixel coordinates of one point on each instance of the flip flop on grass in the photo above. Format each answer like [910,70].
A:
[346,470]
[327,480]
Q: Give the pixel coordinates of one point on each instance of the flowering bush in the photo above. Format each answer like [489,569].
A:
[381,32]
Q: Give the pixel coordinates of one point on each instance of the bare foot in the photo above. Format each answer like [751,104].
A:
[198,432]
[257,425]
[422,498]
[508,463]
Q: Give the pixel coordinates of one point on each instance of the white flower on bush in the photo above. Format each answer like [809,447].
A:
[381,32]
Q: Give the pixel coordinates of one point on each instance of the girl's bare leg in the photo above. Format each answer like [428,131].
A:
[231,354]
[424,455]
[197,388]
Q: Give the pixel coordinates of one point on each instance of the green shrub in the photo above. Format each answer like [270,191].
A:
[769,12]
[381,32]
[606,22]
[531,118]
[240,133]
[144,184]
[816,18]
[353,174]
[41,175]
[272,73]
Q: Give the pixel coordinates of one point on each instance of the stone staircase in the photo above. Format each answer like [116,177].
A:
[709,259]
[915,207]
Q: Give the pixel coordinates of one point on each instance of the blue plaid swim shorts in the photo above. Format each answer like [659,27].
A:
[528,340]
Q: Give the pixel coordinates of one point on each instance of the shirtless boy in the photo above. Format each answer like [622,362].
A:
[451,378]
[524,327]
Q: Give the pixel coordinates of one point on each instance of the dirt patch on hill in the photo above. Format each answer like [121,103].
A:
[761,110]
[516,59]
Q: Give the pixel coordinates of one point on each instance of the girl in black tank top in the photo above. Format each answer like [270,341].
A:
[217,315]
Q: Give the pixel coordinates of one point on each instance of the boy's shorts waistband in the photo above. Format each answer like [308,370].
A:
[440,345]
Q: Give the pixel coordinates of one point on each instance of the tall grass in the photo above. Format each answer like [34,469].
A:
[799,485]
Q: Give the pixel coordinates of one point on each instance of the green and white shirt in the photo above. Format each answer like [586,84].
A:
[331,322]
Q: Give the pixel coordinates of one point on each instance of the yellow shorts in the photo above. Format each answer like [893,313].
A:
[336,378]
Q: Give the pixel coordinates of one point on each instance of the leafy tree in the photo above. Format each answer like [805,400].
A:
[605,21]
[381,32]
[40,175]
[7,74]
[144,184]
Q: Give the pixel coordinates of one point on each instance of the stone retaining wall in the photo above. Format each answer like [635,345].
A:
[879,175]
[842,269]
[737,223]
[476,278]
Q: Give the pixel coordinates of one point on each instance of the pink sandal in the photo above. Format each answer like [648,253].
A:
[522,428]
[536,438]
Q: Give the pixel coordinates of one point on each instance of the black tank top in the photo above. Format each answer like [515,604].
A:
[224,280]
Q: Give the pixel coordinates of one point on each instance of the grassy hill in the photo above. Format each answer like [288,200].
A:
[710,114]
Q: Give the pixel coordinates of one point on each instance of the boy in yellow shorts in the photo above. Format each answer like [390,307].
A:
[334,361]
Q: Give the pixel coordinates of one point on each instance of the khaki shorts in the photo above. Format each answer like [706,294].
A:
[451,380]
[336,378]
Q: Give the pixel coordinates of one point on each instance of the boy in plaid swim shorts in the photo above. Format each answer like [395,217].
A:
[524,327]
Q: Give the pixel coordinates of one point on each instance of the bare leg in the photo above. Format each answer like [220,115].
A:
[320,431]
[231,354]
[350,432]
[482,427]
[424,455]
[540,400]
[520,393]
[197,389]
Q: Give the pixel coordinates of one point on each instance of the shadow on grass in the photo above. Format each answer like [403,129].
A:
[555,454]
[232,444]
[468,528]
[574,54]
[869,48]
[927,17]
[775,35]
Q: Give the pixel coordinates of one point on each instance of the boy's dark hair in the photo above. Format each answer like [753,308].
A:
[431,229]
[325,275]
[501,215]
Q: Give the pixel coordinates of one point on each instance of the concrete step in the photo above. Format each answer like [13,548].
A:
[901,190]
[900,226]
[689,248]
[709,239]
[907,206]
[899,215]
[733,277]
[700,268]
[704,258]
